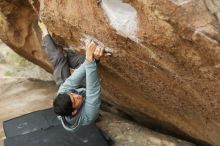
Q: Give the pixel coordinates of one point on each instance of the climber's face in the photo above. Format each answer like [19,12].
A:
[77,101]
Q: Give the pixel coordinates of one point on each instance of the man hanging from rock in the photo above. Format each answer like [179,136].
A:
[76,104]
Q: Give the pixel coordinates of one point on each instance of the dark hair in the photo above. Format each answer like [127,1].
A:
[63,105]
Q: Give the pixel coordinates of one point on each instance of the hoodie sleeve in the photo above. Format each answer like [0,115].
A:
[92,103]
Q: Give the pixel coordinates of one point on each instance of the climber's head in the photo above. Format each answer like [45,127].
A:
[67,104]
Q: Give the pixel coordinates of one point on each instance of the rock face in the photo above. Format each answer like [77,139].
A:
[168,69]
[20,31]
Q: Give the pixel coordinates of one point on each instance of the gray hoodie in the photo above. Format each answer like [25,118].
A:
[90,108]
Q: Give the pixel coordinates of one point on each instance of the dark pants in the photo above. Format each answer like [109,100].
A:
[61,63]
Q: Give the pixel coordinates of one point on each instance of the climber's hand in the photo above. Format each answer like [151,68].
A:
[99,52]
[90,49]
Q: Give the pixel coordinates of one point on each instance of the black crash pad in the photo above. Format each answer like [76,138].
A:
[42,128]
[31,122]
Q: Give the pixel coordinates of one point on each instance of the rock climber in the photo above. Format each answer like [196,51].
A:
[78,99]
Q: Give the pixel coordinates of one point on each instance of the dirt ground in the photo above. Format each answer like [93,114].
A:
[21,94]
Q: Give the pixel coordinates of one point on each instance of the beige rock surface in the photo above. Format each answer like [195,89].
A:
[19,30]
[169,71]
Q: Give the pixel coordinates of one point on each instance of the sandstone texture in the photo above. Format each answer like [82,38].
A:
[167,72]
[20,31]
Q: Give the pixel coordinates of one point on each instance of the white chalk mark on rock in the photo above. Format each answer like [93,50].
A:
[180,2]
[122,17]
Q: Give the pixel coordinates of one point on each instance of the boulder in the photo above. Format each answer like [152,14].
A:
[167,70]
[20,31]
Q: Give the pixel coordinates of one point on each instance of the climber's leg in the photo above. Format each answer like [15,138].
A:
[75,60]
[59,61]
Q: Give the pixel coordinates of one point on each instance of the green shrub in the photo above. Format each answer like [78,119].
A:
[18,60]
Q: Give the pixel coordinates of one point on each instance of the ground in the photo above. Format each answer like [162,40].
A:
[26,88]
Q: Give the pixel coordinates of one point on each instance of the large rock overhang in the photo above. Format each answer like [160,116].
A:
[168,66]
